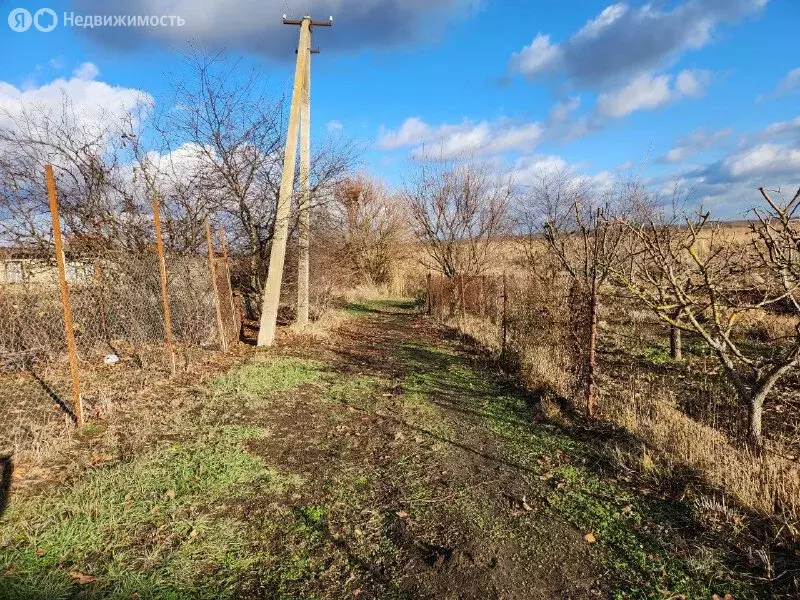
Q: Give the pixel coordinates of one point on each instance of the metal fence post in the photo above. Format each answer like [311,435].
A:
[162,267]
[234,314]
[429,308]
[220,326]
[505,317]
[62,280]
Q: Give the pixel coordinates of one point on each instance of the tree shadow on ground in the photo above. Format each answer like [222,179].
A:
[6,470]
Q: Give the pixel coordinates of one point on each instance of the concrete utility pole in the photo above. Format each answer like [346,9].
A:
[304,220]
[300,100]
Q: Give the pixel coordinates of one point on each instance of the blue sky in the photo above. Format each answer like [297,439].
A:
[701,91]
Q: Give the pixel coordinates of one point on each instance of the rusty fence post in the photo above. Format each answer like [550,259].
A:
[462,299]
[213,269]
[62,280]
[162,267]
[429,308]
[234,313]
[505,317]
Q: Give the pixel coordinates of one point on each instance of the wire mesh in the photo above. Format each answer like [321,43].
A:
[118,318]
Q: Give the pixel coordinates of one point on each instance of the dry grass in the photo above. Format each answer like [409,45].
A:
[768,484]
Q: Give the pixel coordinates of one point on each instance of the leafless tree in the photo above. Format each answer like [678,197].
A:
[697,276]
[458,211]
[587,242]
[373,228]
[223,115]
[87,155]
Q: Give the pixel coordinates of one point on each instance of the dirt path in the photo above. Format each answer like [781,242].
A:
[455,503]
[383,461]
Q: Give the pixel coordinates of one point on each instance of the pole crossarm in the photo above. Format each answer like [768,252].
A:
[328,23]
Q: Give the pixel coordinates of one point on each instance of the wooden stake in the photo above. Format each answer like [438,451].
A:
[505,318]
[461,294]
[272,290]
[162,267]
[236,326]
[223,340]
[62,280]
[591,360]
[430,299]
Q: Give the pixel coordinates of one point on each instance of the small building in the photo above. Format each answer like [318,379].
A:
[33,266]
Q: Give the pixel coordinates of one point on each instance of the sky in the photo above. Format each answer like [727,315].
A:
[703,94]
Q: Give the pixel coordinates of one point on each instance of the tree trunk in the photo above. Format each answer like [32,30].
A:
[675,343]
[755,412]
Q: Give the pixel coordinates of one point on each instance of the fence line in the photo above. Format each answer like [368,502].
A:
[96,307]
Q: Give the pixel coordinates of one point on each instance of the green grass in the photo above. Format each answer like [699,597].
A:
[366,307]
[261,378]
[207,519]
[362,389]
[152,528]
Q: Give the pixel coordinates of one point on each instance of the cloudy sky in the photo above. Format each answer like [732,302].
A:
[703,92]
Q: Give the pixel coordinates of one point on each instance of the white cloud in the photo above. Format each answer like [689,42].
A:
[698,140]
[449,141]
[788,83]
[782,129]
[86,71]
[413,131]
[92,101]
[623,41]
[594,27]
[528,169]
[561,111]
[648,91]
[515,138]
[335,126]
[761,161]
[539,57]
[643,92]
[692,83]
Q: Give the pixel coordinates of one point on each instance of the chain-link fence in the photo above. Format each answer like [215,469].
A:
[116,304]
[534,327]
[119,329]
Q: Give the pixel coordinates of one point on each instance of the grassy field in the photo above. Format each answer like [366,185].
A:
[386,460]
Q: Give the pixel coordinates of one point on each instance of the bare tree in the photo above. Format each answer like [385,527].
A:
[87,155]
[226,118]
[698,277]
[458,211]
[373,228]
[588,243]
